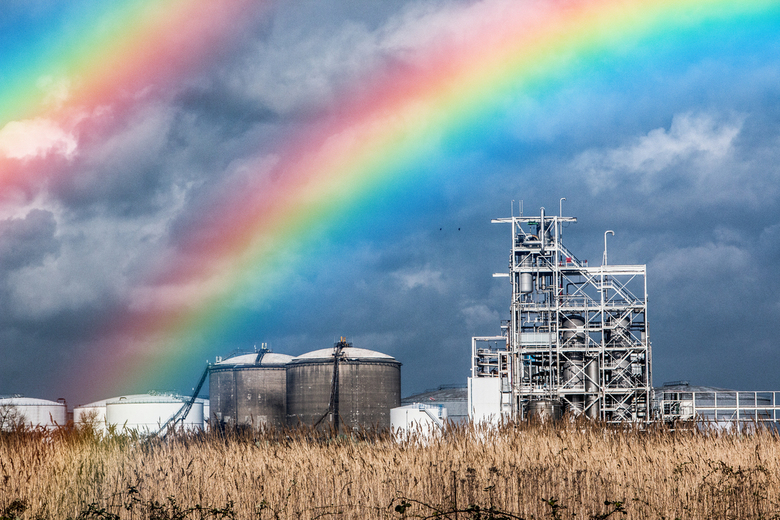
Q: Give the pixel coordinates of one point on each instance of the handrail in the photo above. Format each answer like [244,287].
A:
[181,415]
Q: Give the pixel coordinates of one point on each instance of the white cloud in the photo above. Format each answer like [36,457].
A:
[452,25]
[480,317]
[425,277]
[35,137]
[699,141]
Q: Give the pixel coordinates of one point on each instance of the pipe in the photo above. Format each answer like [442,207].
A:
[592,387]
[560,214]
[604,260]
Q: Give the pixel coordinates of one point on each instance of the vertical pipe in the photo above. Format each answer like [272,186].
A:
[591,387]
[235,397]
[608,232]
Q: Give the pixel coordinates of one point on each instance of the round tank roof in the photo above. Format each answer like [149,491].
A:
[28,401]
[267,359]
[349,353]
[96,404]
[147,398]
[137,398]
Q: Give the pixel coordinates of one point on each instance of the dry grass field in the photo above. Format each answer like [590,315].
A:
[572,470]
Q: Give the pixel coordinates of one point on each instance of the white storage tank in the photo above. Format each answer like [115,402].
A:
[92,413]
[146,413]
[33,413]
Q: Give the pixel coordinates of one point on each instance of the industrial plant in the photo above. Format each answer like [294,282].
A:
[576,340]
[576,343]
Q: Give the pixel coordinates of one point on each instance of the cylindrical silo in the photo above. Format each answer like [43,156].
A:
[369,385]
[31,412]
[249,389]
[147,413]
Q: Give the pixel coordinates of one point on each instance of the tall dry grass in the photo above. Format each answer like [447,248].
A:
[530,471]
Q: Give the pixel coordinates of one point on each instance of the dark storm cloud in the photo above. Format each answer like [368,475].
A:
[682,166]
[27,241]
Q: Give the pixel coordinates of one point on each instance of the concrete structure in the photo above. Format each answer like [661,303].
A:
[249,389]
[31,412]
[343,385]
[577,336]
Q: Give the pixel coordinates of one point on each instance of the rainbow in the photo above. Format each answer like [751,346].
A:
[380,135]
[94,62]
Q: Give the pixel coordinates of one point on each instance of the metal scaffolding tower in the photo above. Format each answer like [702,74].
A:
[576,340]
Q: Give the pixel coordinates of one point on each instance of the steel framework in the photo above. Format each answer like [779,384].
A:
[577,336]
[718,406]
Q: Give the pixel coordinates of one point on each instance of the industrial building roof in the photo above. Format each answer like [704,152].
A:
[454,398]
[443,393]
[684,386]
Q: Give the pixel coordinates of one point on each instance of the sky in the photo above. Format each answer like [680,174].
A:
[180,181]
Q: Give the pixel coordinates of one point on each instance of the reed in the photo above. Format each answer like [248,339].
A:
[569,470]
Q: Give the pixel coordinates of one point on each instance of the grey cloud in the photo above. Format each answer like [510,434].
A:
[27,241]
[122,169]
[302,68]
[315,52]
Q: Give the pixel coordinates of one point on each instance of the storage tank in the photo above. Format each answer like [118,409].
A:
[544,409]
[93,414]
[146,413]
[31,412]
[369,385]
[249,389]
